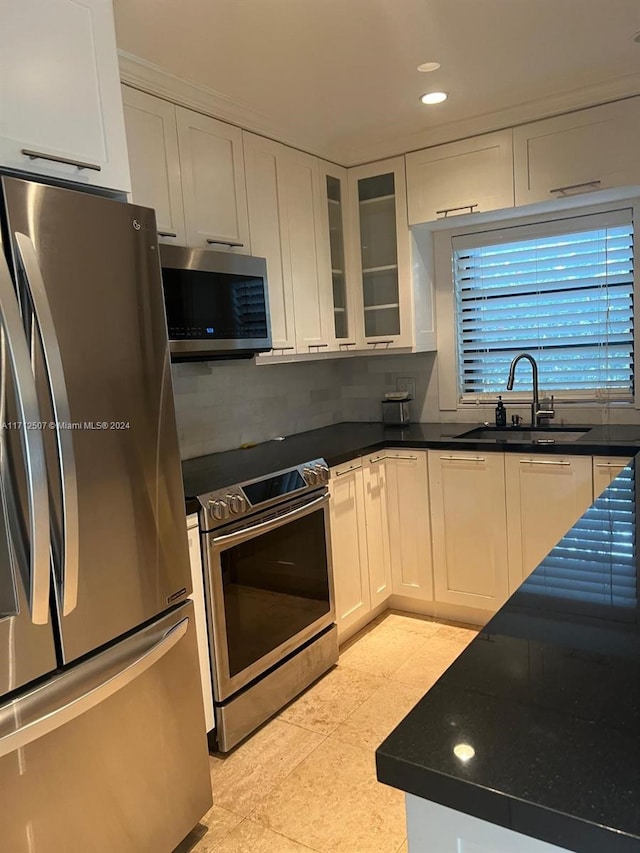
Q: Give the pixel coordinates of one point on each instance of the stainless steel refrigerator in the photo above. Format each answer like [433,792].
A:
[102,733]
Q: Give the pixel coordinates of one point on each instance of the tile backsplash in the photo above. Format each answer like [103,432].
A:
[221,405]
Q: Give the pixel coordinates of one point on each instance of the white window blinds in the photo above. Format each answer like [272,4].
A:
[596,561]
[562,291]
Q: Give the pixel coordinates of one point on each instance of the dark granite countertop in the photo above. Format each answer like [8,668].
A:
[548,697]
[342,442]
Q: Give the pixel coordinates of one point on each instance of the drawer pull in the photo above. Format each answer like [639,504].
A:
[542,462]
[447,210]
[346,343]
[463,458]
[377,459]
[375,343]
[79,164]
[228,243]
[575,186]
[401,457]
[346,470]
[610,465]
[167,234]
[317,345]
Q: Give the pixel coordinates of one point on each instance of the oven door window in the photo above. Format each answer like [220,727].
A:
[275,585]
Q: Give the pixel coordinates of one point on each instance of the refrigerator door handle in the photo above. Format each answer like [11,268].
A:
[33,448]
[53,718]
[62,414]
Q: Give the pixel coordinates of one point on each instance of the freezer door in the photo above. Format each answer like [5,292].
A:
[112,755]
[88,276]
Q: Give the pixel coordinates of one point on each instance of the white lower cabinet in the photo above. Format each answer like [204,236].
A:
[407,497]
[202,637]
[349,545]
[605,468]
[469,528]
[545,496]
[376,515]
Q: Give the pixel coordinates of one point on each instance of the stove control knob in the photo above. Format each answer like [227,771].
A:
[242,503]
[323,473]
[235,504]
[219,509]
[310,476]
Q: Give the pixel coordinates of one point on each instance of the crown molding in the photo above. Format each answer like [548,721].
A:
[616,89]
[155,80]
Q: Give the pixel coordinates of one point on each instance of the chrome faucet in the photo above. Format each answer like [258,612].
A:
[537,414]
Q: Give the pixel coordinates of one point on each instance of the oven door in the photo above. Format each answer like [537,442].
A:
[269,590]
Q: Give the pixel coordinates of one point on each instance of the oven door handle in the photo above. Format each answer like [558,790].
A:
[272,524]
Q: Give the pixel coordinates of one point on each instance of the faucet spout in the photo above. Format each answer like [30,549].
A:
[534,370]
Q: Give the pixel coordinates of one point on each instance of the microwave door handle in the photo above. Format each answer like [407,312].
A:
[33,448]
[229,539]
[62,415]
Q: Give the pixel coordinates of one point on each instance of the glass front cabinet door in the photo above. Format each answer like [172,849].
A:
[378,196]
[338,240]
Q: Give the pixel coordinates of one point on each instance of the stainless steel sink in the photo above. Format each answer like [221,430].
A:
[544,435]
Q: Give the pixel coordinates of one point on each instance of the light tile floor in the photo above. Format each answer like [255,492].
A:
[306,780]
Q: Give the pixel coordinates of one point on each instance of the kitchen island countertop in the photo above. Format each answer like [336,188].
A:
[546,698]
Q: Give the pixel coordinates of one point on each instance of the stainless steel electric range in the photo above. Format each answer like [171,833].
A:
[269,594]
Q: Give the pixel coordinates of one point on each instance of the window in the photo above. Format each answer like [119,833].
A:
[562,291]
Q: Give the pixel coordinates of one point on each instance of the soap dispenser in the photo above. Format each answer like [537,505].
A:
[501,413]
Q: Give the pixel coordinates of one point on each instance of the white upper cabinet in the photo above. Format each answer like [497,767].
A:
[473,175]
[60,92]
[152,140]
[382,259]
[336,242]
[310,271]
[213,183]
[269,234]
[578,152]
[287,222]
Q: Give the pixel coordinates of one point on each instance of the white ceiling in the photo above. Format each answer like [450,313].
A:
[339,78]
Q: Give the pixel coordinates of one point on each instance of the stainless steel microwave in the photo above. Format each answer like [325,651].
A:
[217,304]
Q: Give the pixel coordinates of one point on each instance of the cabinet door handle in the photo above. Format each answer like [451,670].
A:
[167,234]
[447,210]
[377,459]
[542,462]
[610,465]
[401,457]
[281,349]
[346,343]
[463,458]
[346,470]
[374,343]
[317,345]
[228,243]
[575,186]
[79,164]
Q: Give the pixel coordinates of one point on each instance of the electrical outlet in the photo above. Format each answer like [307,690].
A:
[407,383]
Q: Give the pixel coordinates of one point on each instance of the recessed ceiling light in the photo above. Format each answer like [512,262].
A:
[464,751]
[429,66]
[434,97]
